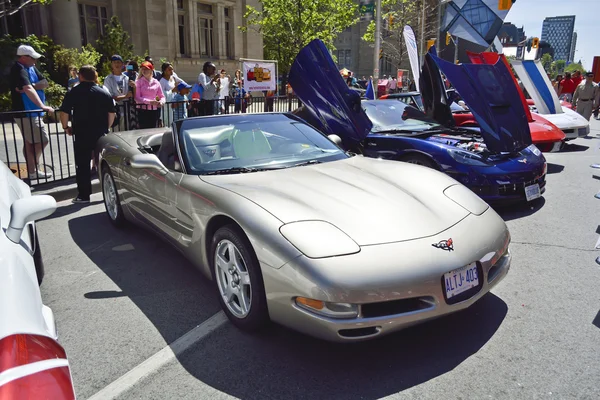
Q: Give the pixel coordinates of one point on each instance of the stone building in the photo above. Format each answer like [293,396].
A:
[185,32]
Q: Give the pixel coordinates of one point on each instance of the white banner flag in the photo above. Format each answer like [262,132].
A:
[259,76]
[413,53]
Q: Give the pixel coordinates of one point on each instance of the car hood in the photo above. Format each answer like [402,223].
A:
[334,107]
[568,119]
[538,86]
[491,58]
[372,201]
[493,99]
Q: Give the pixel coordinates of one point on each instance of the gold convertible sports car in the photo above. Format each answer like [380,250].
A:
[293,229]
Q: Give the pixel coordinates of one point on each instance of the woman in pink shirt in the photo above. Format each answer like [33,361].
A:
[149,97]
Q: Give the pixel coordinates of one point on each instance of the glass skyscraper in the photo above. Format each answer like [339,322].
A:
[558,32]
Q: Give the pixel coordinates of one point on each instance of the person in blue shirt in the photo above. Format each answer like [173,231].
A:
[181,101]
[27,86]
[241,99]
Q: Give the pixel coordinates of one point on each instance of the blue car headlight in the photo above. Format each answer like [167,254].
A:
[318,239]
[468,158]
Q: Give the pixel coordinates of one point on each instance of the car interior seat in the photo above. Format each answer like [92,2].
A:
[250,144]
[166,152]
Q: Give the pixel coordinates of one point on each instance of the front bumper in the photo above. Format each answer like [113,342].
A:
[394,294]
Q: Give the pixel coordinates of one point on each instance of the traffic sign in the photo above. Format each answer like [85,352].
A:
[367,10]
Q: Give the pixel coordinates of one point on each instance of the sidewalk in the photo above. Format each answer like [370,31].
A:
[62,190]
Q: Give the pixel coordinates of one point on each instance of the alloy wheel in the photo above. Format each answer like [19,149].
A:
[233,279]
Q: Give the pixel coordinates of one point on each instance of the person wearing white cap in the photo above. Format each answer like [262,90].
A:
[27,86]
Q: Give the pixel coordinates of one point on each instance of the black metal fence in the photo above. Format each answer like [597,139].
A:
[38,150]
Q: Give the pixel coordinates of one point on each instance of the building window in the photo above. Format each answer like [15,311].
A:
[348,60]
[181,27]
[228,33]
[206,30]
[180,6]
[92,19]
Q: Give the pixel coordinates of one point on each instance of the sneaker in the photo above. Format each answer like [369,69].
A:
[40,175]
[79,200]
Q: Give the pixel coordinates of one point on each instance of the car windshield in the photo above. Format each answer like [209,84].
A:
[389,116]
[252,142]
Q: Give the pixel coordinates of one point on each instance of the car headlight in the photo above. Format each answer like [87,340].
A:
[464,197]
[318,239]
[533,148]
[468,158]
[326,309]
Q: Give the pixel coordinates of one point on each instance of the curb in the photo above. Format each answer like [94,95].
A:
[62,190]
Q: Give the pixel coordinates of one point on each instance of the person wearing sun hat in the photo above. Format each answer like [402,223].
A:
[27,86]
[149,97]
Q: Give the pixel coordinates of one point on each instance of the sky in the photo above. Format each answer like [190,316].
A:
[531,14]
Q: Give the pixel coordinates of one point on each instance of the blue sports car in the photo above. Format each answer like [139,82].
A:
[498,162]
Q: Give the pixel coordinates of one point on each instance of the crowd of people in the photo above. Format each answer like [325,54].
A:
[582,93]
[131,96]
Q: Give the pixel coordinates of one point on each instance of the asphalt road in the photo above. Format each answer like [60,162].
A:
[123,300]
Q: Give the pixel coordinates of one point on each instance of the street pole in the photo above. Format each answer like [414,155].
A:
[377,47]
[455,49]
[422,52]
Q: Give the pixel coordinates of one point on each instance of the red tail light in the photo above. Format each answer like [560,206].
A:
[44,382]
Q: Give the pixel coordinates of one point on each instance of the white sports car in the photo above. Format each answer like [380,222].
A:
[545,102]
[32,363]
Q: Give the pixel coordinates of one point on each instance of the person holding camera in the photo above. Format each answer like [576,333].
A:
[211,83]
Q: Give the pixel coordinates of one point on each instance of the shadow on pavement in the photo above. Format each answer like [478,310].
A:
[555,168]
[276,363]
[282,364]
[61,211]
[596,320]
[159,280]
[519,210]
[572,147]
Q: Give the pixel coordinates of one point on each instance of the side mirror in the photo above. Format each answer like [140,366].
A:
[335,139]
[27,210]
[147,161]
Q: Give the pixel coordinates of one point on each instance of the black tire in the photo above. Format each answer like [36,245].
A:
[258,314]
[107,179]
[37,259]
[419,160]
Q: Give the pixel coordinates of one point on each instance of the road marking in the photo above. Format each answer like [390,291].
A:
[161,358]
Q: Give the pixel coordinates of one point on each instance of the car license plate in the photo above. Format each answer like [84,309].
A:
[532,192]
[460,280]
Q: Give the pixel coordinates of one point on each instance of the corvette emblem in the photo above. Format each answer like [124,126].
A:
[209,152]
[447,245]
[524,161]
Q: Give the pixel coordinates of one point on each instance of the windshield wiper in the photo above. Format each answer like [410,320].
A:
[238,170]
[310,162]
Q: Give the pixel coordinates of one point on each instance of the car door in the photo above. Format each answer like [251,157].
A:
[334,107]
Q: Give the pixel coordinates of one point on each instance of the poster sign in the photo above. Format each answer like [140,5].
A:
[259,76]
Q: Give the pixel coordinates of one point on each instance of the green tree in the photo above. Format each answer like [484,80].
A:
[396,14]
[287,26]
[575,67]
[114,40]
[65,57]
[546,61]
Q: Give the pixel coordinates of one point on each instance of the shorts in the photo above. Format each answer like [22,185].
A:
[33,129]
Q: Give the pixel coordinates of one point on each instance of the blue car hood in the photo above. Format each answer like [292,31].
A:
[333,106]
[492,97]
